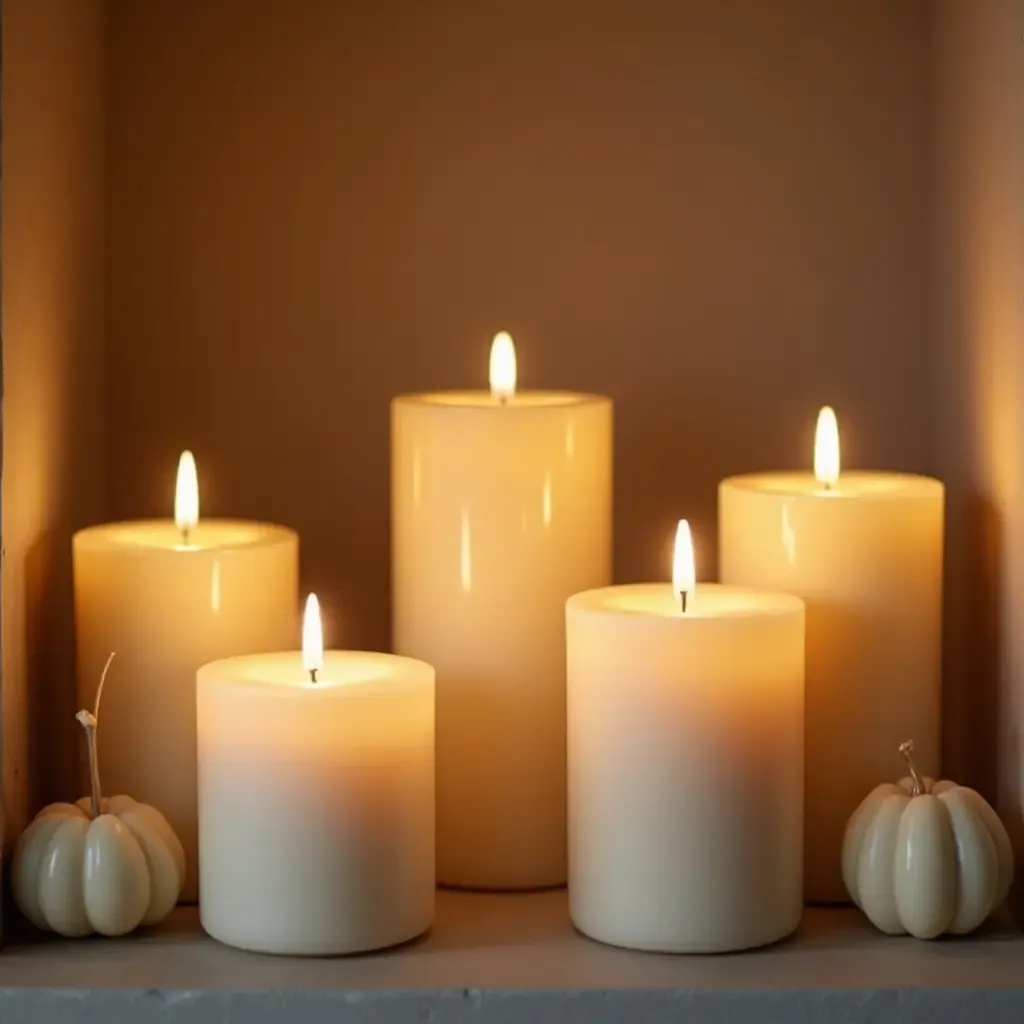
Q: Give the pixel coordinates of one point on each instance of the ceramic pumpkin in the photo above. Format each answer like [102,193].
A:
[926,857]
[97,865]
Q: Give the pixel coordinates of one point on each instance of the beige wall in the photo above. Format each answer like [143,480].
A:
[52,259]
[979,329]
[715,212]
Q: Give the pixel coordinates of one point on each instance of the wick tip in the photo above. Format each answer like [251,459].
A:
[312,675]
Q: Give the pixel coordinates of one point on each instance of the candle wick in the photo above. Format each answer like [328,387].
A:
[184,536]
[683,594]
[312,675]
[503,399]
[828,485]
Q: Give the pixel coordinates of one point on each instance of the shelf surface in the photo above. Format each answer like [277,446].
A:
[517,957]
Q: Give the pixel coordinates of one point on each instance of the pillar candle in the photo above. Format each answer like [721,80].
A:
[316,800]
[501,508]
[168,596]
[864,551]
[685,765]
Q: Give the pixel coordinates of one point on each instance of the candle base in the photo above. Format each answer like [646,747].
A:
[340,946]
[745,937]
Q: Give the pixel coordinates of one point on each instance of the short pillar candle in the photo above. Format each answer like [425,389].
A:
[167,596]
[316,799]
[501,508]
[685,764]
[864,551]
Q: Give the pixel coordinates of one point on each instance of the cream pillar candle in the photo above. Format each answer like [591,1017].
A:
[501,508]
[168,596]
[685,765]
[864,550]
[316,800]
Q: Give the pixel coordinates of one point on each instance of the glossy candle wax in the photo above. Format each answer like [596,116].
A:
[685,766]
[500,510]
[866,557]
[316,802]
[166,607]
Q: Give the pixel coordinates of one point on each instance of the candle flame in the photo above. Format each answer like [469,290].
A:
[312,637]
[684,574]
[826,448]
[503,366]
[186,493]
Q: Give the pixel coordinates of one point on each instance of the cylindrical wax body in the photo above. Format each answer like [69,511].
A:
[685,766]
[500,510]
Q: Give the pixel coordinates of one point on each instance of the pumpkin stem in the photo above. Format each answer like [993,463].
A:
[917,783]
[90,720]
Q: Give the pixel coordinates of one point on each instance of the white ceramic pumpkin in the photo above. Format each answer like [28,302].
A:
[926,857]
[97,865]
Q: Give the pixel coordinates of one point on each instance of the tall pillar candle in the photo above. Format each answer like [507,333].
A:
[864,551]
[501,508]
[316,799]
[685,766]
[168,596]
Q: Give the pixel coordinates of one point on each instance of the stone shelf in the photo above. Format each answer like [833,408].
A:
[516,958]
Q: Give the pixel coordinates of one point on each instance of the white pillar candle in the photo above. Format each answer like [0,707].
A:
[501,508]
[316,800]
[168,596]
[864,550]
[685,765]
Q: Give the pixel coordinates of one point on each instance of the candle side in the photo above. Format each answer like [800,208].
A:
[166,609]
[685,767]
[316,802]
[867,559]
[499,513]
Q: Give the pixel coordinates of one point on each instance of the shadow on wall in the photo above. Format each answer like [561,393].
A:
[980,709]
[53,739]
[973,656]
[983,613]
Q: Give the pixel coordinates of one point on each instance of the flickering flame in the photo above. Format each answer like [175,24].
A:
[503,366]
[186,494]
[826,448]
[684,574]
[312,637]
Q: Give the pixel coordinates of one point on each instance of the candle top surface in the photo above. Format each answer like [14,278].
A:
[164,535]
[705,601]
[283,672]
[486,400]
[856,484]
